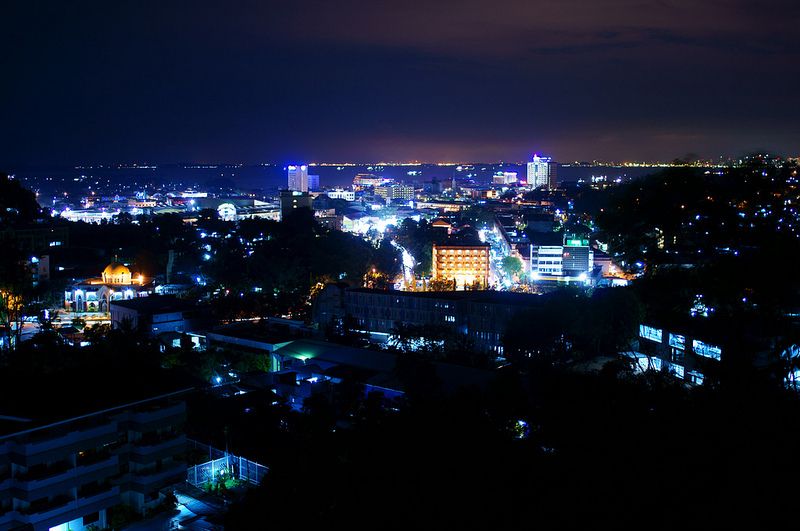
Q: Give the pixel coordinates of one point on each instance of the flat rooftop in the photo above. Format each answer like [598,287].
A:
[155,304]
[29,402]
[255,332]
[380,364]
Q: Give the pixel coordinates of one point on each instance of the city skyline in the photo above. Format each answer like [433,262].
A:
[624,81]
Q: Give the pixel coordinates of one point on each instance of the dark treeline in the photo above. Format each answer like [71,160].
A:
[600,449]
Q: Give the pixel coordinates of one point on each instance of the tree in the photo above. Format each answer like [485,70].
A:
[17,204]
[442,285]
[15,286]
[512,266]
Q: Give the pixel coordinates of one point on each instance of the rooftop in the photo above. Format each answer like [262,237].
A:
[30,403]
[154,304]
[381,364]
[484,296]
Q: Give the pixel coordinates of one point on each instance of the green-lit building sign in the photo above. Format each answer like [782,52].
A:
[575,242]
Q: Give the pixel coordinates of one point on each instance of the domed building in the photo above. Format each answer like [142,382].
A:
[117,273]
[116,282]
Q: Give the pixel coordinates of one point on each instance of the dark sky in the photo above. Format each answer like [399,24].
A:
[167,81]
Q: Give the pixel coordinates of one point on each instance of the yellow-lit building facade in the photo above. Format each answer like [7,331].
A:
[468,265]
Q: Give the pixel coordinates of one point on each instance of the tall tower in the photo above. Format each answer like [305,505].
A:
[297,178]
[542,173]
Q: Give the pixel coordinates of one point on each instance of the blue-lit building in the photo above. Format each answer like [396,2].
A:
[297,178]
[681,355]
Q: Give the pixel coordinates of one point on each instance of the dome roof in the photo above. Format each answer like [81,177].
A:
[115,269]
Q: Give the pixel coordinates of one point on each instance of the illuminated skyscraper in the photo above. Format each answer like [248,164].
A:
[542,173]
[297,178]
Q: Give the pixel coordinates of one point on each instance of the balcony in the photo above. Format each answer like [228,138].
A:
[158,413]
[159,474]
[67,439]
[43,473]
[151,445]
[54,475]
[41,510]
[44,508]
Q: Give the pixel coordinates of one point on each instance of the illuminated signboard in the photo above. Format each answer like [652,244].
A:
[577,243]
[677,341]
[648,332]
[706,350]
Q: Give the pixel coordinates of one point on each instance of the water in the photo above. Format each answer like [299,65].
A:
[107,180]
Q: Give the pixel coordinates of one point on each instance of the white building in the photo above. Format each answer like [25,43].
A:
[548,261]
[347,195]
[542,173]
[504,177]
[297,178]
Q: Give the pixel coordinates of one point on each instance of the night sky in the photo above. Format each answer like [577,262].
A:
[336,80]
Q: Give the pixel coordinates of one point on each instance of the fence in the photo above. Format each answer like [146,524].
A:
[223,465]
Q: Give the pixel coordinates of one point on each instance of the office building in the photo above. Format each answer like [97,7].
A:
[297,180]
[466,265]
[566,258]
[542,173]
[291,200]
[395,191]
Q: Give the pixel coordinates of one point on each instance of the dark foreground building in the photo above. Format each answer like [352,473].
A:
[483,316]
[66,460]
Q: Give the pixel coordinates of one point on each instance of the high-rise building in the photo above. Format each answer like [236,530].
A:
[542,173]
[297,180]
[313,183]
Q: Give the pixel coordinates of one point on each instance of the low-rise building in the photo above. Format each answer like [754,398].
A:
[153,315]
[483,316]
[116,283]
